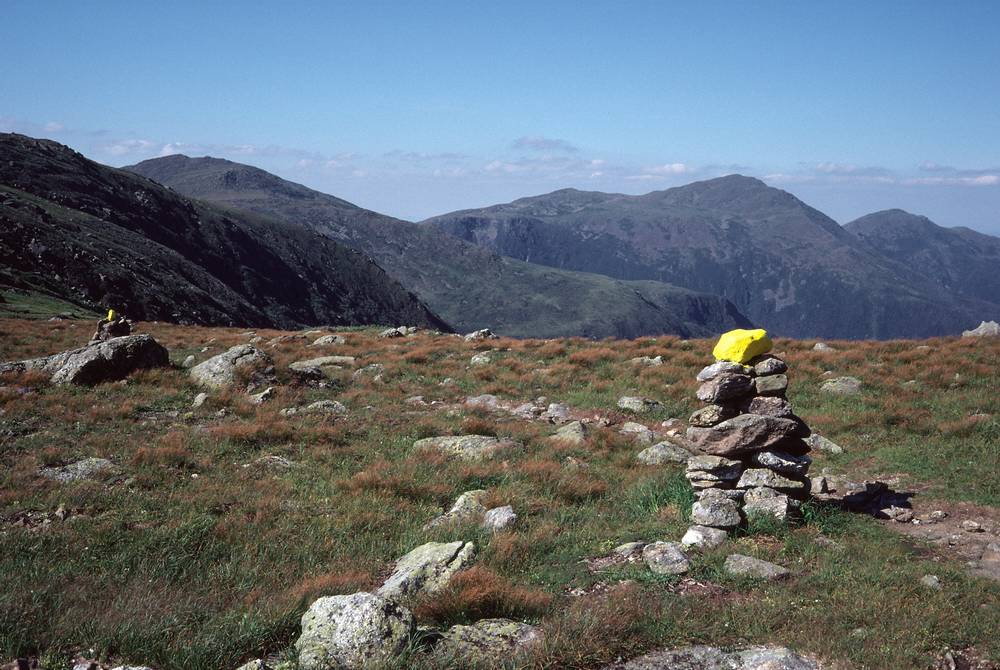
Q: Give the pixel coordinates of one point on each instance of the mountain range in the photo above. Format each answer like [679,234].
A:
[207,240]
[786,265]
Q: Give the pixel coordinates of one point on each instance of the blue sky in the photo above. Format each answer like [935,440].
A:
[419,108]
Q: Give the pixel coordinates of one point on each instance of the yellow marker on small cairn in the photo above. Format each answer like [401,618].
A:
[740,345]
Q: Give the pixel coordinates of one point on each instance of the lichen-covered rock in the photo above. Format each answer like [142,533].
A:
[742,434]
[771,385]
[713,658]
[467,447]
[641,433]
[704,470]
[637,404]
[573,433]
[768,365]
[763,501]
[330,408]
[711,415]
[222,370]
[468,507]
[481,334]
[110,360]
[842,386]
[666,558]
[87,468]
[984,329]
[820,443]
[704,537]
[353,632]
[770,406]
[485,642]
[427,569]
[663,452]
[756,477]
[715,512]
[482,358]
[783,463]
[328,340]
[499,518]
[724,387]
[739,565]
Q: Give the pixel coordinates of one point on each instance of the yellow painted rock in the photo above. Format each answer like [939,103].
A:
[740,345]
[111,315]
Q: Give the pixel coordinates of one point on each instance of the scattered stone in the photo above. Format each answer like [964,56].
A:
[772,385]
[647,361]
[713,658]
[642,434]
[222,370]
[704,537]
[742,434]
[725,386]
[267,395]
[970,526]
[98,362]
[984,329]
[353,632]
[485,642]
[327,407]
[573,433]
[87,468]
[499,518]
[468,507]
[842,386]
[931,582]
[328,340]
[556,413]
[663,452]
[485,401]
[717,512]
[820,443]
[467,447]
[720,368]
[427,569]
[324,365]
[481,334]
[666,558]
[373,370]
[629,549]
[199,400]
[188,362]
[739,565]
[822,346]
[896,513]
[637,404]
[481,358]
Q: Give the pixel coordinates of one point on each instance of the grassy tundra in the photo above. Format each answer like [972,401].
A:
[196,555]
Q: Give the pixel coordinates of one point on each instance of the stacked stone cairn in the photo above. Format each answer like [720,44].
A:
[750,456]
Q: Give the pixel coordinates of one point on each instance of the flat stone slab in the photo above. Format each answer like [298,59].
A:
[742,434]
[739,565]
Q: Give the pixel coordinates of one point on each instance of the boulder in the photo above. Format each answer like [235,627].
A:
[353,632]
[499,518]
[485,642]
[717,368]
[984,329]
[842,386]
[106,361]
[704,537]
[725,386]
[742,434]
[739,565]
[481,358]
[223,370]
[740,345]
[637,404]
[427,569]
[822,346]
[717,512]
[467,447]
[573,433]
[641,433]
[663,452]
[328,340]
[666,558]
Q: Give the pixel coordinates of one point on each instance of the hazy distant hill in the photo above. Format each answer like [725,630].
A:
[92,235]
[468,286]
[963,261]
[785,265]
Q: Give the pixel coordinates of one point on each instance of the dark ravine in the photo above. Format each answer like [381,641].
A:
[96,236]
[468,286]
[787,266]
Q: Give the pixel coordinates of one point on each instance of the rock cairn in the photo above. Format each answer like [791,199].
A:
[751,457]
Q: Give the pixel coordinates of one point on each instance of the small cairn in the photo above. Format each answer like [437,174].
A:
[750,457]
